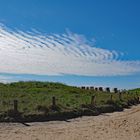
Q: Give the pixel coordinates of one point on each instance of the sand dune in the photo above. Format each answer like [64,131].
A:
[111,126]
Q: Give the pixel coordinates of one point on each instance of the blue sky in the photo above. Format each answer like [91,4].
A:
[112,26]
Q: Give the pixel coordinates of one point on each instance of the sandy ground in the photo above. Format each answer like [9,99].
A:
[111,126]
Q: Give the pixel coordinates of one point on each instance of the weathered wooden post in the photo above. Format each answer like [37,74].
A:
[16,105]
[96,89]
[83,87]
[93,100]
[108,89]
[138,99]
[111,97]
[120,95]
[91,88]
[115,90]
[53,101]
[101,89]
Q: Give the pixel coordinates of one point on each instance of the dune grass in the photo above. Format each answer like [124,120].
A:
[36,98]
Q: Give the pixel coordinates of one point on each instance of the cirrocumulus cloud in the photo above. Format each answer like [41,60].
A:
[58,54]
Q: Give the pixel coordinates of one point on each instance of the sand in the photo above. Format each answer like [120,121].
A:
[110,126]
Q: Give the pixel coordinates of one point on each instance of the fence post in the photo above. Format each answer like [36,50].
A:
[92,88]
[16,105]
[53,101]
[120,95]
[115,90]
[108,89]
[101,89]
[93,100]
[96,89]
[138,99]
[83,87]
[111,97]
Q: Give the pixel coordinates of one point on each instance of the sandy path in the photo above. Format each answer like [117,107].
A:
[114,126]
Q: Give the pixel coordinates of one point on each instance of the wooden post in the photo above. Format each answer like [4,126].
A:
[138,99]
[108,89]
[53,101]
[101,89]
[96,89]
[16,105]
[93,100]
[111,97]
[115,90]
[83,87]
[91,88]
[120,95]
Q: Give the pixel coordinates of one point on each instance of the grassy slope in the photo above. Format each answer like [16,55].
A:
[36,97]
[136,90]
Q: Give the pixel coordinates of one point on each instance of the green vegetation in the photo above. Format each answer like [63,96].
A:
[137,90]
[35,101]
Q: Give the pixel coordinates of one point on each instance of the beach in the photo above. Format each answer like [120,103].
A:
[110,126]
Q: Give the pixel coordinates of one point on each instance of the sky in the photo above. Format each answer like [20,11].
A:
[76,42]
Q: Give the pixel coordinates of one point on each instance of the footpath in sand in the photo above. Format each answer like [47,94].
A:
[111,126]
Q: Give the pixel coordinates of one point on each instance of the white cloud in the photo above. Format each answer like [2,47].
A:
[56,54]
